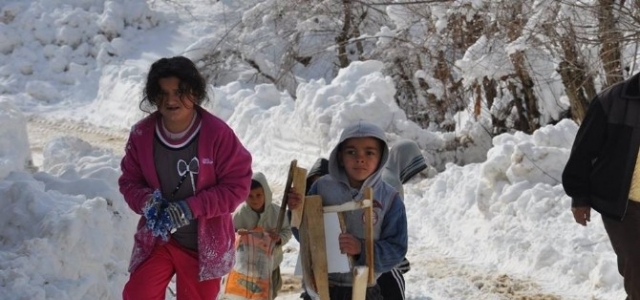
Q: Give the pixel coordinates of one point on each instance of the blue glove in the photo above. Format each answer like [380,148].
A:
[176,215]
[153,211]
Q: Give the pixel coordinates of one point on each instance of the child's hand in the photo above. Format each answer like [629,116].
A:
[349,244]
[274,236]
[242,232]
[294,199]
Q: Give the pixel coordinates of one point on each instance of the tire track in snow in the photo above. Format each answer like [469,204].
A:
[442,270]
[41,130]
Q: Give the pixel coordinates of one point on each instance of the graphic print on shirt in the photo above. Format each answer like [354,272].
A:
[184,169]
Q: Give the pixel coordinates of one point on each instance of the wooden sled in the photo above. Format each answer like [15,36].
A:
[313,251]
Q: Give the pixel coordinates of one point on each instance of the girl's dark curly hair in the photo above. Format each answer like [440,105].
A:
[191,81]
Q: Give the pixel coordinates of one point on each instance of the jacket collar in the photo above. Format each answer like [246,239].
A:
[631,87]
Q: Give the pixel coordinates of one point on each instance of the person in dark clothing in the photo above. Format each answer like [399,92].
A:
[603,173]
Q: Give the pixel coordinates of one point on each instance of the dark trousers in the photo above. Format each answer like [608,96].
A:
[392,285]
[344,293]
[625,239]
[276,282]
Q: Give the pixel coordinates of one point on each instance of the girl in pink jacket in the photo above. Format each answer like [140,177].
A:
[185,172]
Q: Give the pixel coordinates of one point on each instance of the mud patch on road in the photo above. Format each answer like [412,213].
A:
[290,285]
[514,289]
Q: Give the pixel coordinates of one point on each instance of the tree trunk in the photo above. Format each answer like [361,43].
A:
[525,99]
[579,86]
[610,38]
[343,39]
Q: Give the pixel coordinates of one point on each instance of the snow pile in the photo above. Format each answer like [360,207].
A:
[50,43]
[515,217]
[67,234]
[15,154]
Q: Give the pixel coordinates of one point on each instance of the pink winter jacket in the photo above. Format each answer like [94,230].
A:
[223,183]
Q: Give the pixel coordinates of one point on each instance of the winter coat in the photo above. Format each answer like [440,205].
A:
[390,219]
[405,161]
[600,168]
[246,218]
[223,183]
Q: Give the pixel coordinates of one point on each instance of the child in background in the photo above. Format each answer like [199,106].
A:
[354,164]
[319,169]
[185,172]
[405,161]
[259,211]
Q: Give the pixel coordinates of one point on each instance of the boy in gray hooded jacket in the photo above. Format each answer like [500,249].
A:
[354,164]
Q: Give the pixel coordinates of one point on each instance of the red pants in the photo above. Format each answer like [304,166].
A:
[149,281]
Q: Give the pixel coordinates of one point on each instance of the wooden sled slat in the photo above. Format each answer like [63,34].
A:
[313,226]
[368,215]
[360,277]
[300,183]
[351,205]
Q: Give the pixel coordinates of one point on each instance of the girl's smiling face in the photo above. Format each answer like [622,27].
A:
[360,158]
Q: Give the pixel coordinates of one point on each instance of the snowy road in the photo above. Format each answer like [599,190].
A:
[447,277]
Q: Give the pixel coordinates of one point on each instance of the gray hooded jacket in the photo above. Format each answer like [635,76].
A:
[390,220]
[405,161]
[247,218]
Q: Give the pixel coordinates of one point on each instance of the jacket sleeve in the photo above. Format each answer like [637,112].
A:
[285,232]
[391,247]
[294,231]
[586,149]
[238,220]
[133,185]
[233,172]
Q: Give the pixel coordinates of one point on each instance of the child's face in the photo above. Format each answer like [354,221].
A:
[256,199]
[360,158]
[176,108]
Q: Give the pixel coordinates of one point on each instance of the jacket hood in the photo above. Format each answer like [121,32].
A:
[259,177]
[319,168]
[405,160]
[359,129]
